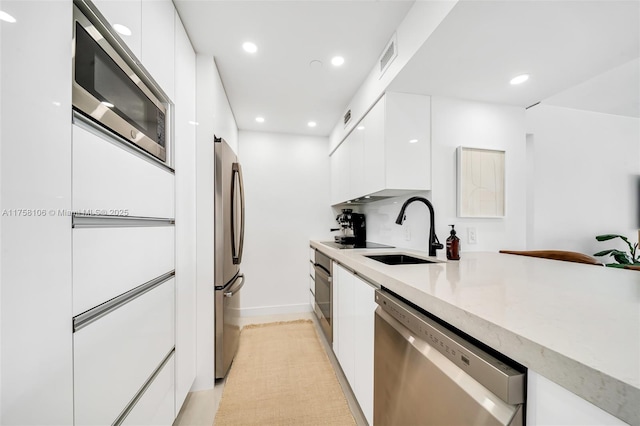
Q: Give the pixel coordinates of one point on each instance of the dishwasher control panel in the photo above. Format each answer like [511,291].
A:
[502,379]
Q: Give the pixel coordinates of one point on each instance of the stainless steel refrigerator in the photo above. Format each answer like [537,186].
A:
[229,242]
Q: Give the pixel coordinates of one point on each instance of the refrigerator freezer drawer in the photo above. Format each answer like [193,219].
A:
[115,355]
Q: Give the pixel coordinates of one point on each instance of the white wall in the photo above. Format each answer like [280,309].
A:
[586,167]
[214,117]
[471,124]
[287,188]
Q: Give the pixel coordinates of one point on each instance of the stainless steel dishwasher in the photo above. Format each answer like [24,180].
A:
[425,374]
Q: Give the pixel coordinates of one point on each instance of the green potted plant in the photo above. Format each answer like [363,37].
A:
[622,258]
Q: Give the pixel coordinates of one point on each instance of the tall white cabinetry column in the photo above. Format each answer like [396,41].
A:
[35,178]
[185,164]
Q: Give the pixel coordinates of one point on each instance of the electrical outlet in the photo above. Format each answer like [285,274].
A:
[472,237]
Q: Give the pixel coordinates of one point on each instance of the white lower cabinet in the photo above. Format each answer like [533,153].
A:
[116,355]
[353,322]
[110,180]
[110,261]
[156,406]
[550,404]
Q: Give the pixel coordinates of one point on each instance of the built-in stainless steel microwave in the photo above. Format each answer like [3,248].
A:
[109,92]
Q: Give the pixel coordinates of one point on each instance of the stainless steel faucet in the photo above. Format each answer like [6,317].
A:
[434,244]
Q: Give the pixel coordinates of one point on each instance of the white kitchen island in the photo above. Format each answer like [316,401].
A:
[577,325]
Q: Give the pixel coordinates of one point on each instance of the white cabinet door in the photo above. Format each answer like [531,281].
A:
[110,261]
[115,355]
[346,318]
[127,13]
[355,144]
[550,404]
[156,406]
[354,306]
[340,175]
[157,52]
[407,141]
[374,150]
[108,179]
[365,306]
[335,306]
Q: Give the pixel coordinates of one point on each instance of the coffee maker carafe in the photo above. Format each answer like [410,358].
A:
[352,225]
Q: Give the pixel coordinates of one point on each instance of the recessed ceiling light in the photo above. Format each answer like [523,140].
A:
[413,140]
[4,16]
[312,124]
[107,104]
[336,61]
[249,47]
[520,79]
[122,29]
[360,127]
[194,123]
[260,119]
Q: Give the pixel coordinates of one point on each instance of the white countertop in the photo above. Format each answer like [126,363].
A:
[576,324]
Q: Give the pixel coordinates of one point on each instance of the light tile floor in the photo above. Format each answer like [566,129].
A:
[199,409]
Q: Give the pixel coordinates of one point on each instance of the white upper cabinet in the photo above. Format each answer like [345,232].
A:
[157,53]
[340,175]
[127,13]
[407,141]
[388,153]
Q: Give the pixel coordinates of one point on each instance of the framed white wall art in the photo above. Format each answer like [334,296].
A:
[481,182]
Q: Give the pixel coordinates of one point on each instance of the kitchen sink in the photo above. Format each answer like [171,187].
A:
[399,259]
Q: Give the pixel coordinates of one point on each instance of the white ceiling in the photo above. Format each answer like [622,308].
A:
[481,45]
[277,82]
[473,54]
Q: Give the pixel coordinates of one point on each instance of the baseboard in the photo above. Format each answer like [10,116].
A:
[275,310]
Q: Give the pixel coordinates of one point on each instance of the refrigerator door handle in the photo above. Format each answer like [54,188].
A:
[235,287]
[237,251]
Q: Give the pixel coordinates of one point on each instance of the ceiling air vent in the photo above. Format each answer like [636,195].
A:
[389,54]
[347,118]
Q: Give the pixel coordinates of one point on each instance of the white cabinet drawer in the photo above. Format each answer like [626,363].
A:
[110,261]
[156,406]
[115,355]
[108,179]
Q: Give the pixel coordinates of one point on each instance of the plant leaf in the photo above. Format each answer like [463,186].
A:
[604,252]
[621,258]
[606,237]
[614,265]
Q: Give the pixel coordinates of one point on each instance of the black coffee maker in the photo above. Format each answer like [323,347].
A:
[354,230]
